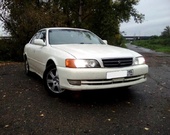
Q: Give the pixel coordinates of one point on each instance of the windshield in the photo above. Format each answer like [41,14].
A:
[70,36]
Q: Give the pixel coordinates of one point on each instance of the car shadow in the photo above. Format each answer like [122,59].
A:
[105,96]
[35,77]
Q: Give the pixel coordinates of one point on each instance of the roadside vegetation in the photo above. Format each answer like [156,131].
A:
[7,50]
[157,43]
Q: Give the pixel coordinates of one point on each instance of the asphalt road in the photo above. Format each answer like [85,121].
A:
[144,109]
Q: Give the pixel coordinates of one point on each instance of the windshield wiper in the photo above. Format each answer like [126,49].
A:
[85,43]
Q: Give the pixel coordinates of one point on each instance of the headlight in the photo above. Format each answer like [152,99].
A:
[139,60]
[73,63]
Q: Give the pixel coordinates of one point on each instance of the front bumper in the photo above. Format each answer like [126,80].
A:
[96,78]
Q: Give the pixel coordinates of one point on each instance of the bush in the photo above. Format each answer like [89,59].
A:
[157,44]
[10,51]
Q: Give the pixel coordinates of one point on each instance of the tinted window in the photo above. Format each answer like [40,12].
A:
[65,36]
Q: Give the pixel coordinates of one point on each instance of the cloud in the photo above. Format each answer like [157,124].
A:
[157,17]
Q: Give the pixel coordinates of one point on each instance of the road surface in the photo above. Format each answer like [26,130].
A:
[144,109]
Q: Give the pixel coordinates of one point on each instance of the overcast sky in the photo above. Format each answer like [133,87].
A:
[1,31]
[157,17]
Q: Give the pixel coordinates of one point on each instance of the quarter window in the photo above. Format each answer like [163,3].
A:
[39,35]
[42,36]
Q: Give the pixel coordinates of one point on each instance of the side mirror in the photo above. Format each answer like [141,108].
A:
[105,41]
[39,42]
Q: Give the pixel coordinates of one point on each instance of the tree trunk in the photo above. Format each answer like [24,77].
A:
[80,12]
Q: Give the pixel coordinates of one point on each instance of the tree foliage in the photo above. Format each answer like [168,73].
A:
[22,18]
[166,32]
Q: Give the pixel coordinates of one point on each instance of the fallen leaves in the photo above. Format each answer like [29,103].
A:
[6,126]
[128,103]
[4,96]
[42,115]
[146,128]
[109,119]
[8,63]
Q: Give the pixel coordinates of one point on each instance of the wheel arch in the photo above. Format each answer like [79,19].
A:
[55,89]
[49,63]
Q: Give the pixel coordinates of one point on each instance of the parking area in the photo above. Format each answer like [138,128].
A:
[26,108]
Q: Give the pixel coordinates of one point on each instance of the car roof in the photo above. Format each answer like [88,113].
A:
[62,28]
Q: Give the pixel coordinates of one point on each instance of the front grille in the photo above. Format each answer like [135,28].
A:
[117,62]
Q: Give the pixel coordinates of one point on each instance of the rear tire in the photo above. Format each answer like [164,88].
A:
[26,65]
[52,81]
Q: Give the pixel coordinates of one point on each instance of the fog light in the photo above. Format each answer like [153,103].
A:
[74,82]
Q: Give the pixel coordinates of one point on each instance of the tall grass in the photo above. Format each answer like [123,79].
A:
[158,44]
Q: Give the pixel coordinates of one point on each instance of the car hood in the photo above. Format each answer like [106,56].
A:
[96,51]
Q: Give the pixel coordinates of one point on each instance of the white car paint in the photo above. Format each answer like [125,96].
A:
[90,78]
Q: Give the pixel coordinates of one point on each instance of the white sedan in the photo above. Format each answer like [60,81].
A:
[76,59]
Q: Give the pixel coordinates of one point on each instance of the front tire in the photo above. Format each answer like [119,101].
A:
[52,81]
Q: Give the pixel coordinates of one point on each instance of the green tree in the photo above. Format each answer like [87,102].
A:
[22,18]
[166,32]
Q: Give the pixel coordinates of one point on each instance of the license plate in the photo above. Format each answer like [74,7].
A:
[116,74]
[130,72]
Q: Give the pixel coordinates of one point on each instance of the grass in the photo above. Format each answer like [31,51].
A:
[158,44]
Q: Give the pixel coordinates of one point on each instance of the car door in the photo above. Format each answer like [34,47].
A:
[39,53]
[31,51]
